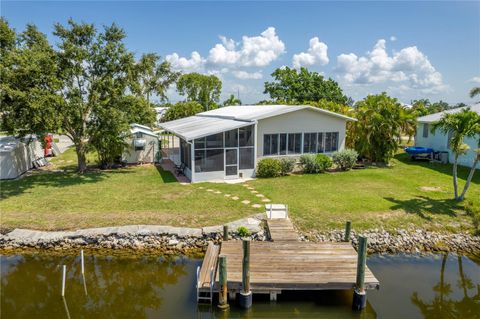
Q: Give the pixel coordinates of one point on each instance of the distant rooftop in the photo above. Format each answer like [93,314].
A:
[437,116]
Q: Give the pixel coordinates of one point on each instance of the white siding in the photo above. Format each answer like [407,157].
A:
[303,121]
[146,156]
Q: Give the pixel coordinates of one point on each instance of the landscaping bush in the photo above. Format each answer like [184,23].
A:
[286,165]
[268,167]
[345,159]
[323,161]
[309,164]
[313,164]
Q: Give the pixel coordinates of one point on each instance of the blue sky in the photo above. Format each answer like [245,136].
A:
[408,49]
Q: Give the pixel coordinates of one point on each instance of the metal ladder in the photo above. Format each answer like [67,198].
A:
[208,294]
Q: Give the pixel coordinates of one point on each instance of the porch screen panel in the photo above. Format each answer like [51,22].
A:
[246,136]
[246,156]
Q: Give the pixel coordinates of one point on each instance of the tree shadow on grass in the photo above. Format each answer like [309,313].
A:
[423,205]
[446,169]
[166,176]
[54,180]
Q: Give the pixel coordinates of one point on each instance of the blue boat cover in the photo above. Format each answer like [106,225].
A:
[418,150]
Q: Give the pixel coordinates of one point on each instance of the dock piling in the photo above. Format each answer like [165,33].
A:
[225,232]
[246,294]
[64,274]
[222,296]
[359,294]
[348,226]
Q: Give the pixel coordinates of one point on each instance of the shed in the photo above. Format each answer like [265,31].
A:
[143,145]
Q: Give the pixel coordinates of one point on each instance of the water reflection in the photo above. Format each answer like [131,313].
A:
[443,305]
[442,286]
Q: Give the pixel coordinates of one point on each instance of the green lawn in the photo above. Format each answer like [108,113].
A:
[408,193]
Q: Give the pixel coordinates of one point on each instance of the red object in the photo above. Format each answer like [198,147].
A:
[47,150]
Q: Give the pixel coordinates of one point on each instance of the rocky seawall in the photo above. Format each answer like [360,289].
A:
[179,240]
[404,241]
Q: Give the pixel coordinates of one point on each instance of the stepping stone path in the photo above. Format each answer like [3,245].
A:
[256,205]
[246,202]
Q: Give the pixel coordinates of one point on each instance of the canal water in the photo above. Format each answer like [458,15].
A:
[412,286]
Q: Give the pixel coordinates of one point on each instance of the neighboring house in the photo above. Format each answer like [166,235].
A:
[18,156]
[228,142]
[143,145]
[439,141]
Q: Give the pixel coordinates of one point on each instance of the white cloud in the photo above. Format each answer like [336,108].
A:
[475,79]
[251,51]
[393,38]
[409,66]
[243,75]
[194,63]
[316,54]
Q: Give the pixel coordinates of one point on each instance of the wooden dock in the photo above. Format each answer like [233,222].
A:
[285,263]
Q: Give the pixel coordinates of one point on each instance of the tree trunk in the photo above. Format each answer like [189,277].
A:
[470,176]
[455,187]
[82,157]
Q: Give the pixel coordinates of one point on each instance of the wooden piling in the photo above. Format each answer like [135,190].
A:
[222,295]
[359,295]
[225,232]
[348,226]
[246,295]
[64,274]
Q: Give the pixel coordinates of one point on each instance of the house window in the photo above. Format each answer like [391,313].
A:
[320,143]
[283,144]
[310,143]
[294,143]
[331,141]
[270,144]
[425,130]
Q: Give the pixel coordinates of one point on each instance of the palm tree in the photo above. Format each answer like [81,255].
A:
[474,92]
[465,123]
[232,100]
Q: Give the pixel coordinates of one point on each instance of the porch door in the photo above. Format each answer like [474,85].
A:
[231,162]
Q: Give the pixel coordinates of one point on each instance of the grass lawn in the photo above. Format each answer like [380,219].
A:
[407,194]
[135,195]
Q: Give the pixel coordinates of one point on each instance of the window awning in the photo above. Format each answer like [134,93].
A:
[194,127]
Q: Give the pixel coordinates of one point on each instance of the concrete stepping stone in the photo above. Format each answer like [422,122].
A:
[209,190]
[256,205]
[254,192]
[246,202]
[245,185]
[235,198]
[260,195]
[250,188]
[227,195]
[217,192]
[266,200]
[201,187]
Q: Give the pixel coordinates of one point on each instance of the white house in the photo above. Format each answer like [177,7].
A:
[228,142]
[439,141]
[143,145]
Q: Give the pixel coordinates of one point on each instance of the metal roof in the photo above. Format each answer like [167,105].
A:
[193,127]
[232,117]
[258,112]
[437,116]
[134,128]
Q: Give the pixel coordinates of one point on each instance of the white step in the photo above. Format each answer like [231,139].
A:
[275,207]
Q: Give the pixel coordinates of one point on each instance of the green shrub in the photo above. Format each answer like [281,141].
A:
[309,164]
[243,231]
[315,163]
[323,161]
[286,165]
[268,167]
[345,159]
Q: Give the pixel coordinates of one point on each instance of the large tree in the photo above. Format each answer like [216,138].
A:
[460,125]
[381,122]
[294,86]
[29,82]
[182,109]
[204,89]
[154,77]
[96,72]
